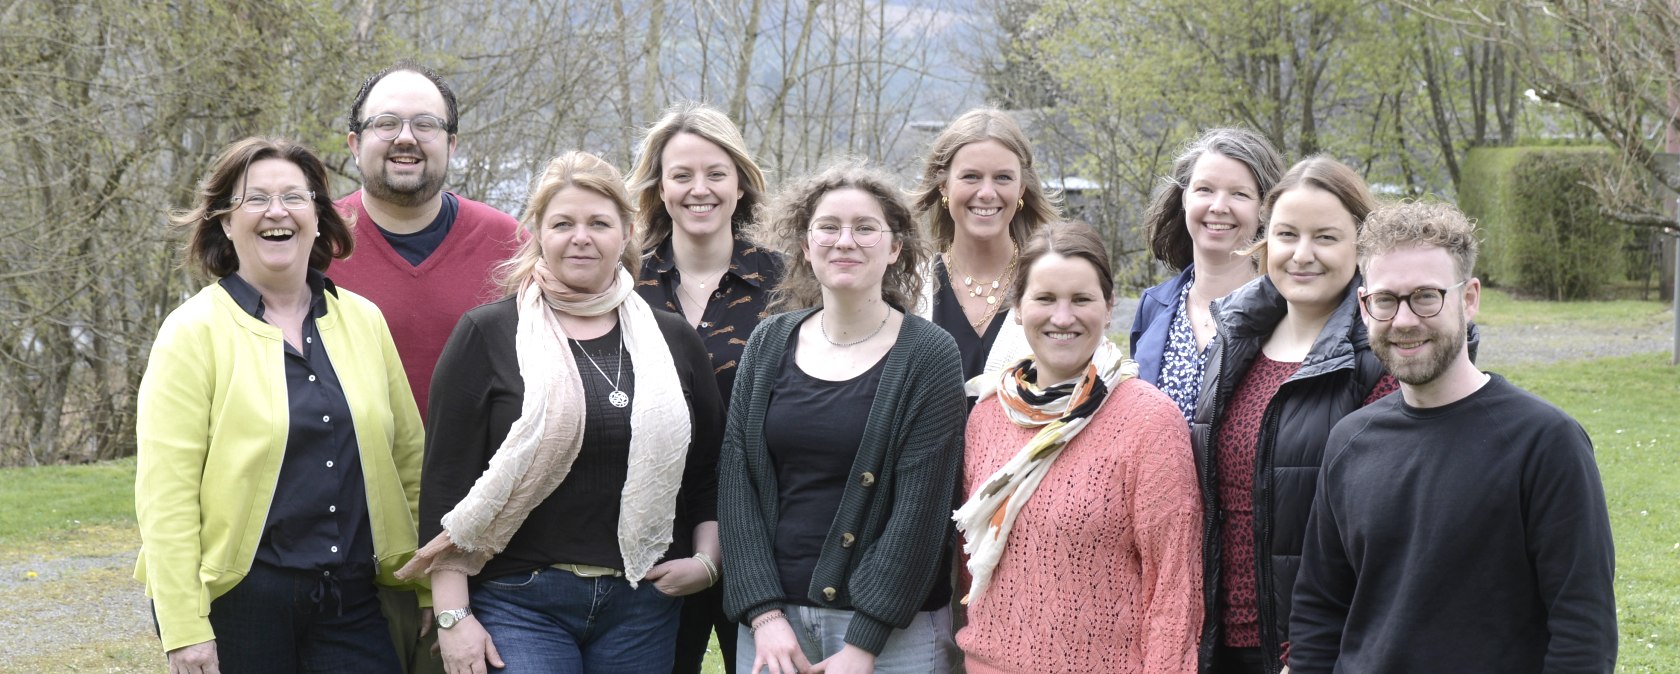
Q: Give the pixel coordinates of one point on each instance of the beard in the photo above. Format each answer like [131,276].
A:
[1424,367]
[407,192]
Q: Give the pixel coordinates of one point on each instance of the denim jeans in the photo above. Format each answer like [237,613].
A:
[550,621]
[285,621]
[920,648]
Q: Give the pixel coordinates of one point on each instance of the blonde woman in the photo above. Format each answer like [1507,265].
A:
[980,197]
[570,485]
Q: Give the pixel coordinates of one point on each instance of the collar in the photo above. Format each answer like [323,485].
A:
[246,296]
[747,262]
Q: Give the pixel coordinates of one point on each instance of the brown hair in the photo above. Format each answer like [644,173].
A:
[789,219]
[209,254]
[1323,173]
[974,126]
[711,124]
[1169,239]
[572,169]
[1411,224]
[1067,238]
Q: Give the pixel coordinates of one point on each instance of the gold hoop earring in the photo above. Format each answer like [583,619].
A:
[944,202]
[1020,204]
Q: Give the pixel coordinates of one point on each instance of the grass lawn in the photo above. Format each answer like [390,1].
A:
[1499,309]
[1630,406]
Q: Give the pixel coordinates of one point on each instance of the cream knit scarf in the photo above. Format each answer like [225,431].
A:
[543,442]
[1059,413]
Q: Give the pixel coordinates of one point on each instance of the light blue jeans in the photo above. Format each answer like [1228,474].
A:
[921,648]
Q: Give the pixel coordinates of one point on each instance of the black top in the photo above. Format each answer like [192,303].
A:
[1472,537]
[418,246]
[318,520]
[733,308]
[812,431]
[972,347]
[475,398]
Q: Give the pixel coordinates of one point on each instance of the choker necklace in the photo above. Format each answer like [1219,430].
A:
[618,397]
[822,323]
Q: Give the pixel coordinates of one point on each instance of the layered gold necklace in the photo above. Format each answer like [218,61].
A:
[981,288]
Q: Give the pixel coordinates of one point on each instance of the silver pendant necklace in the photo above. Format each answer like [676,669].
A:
[618,397]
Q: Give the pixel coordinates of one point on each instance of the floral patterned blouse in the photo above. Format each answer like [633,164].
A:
[1182,362]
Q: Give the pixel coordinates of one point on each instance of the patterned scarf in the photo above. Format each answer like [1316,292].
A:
[539,449]
[1059,413]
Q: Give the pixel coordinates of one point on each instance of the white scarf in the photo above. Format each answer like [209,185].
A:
[541,445]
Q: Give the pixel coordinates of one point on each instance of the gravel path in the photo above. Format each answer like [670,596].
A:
[85,600]
[72,603]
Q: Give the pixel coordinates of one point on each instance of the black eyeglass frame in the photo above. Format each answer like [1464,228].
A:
[1406,299]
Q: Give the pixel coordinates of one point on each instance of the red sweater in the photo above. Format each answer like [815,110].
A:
[1102,572]
[422,304]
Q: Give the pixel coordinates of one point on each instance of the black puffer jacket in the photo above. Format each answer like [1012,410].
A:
[1335,378]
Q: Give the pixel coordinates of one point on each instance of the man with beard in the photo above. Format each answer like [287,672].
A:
[423,255]
[1461,525]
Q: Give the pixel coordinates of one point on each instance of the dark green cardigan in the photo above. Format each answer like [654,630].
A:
[897,501]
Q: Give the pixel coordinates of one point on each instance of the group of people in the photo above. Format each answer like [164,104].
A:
[846,427]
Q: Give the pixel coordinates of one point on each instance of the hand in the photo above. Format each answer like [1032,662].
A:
[679,577]
[427,619]
[199,658]
[467,647]
[850,660]
[777,650]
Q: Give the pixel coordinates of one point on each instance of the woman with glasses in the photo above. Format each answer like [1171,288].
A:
[1201,222]
[843,445]
[697,191]
[1082,522]
[570,490]
[980,197]
[278,444]
[1290,360]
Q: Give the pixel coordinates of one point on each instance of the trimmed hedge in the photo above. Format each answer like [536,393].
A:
[1540,222]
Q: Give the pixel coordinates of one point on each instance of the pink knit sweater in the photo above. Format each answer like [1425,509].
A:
[1102,572]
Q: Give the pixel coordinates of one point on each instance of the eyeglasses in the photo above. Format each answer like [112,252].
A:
[258,203]
[1425,302]
[389,126]
[866,235]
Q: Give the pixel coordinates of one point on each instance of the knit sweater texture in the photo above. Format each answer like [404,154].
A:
[211,426]
[422,303]
[882,554]
[1102,572]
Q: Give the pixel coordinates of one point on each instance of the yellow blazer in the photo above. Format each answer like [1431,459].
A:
[212,424]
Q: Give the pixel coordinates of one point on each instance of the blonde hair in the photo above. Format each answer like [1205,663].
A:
[975,126]
[706,122]
[1413,223]
[789,219]
[572,169]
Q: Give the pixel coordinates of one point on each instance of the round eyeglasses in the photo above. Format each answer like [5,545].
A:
[388,126]
[865,235]
[1424,302]
[257,202]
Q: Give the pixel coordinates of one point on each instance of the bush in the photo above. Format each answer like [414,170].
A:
[1540,221]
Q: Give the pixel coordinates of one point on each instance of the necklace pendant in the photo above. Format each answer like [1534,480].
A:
[991,299]
[618,398]
[968,280]
[995,282]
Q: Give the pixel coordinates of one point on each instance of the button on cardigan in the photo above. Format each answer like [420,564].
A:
[898,507]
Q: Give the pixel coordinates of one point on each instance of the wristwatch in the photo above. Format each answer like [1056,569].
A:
[448,619]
